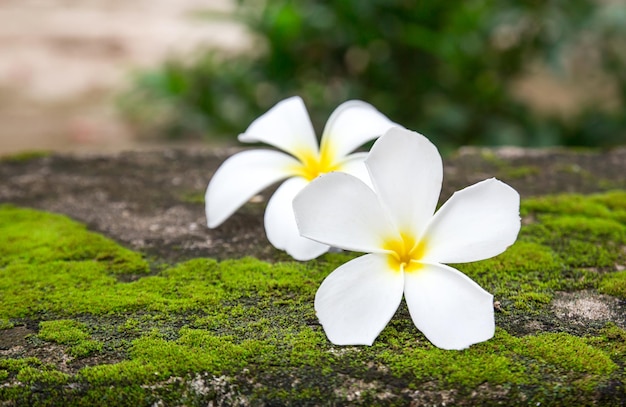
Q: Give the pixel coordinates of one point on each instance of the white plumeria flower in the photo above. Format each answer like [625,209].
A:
[287,126]
[407,243]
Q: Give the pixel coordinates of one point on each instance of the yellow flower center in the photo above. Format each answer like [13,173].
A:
[405,252]
[312,165]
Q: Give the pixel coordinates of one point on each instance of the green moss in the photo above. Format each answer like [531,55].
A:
[609,205]
[31,380]
[154,358]
[525,275]
[305,346]
[69,332]
[466,368]
[30,237]
[506,360]
[490,157]
[573,169]
[567,353]
[586,233]
[25,156]
[192,197]
[30,374]
[132,325]
[254,322]
[614,284]
[15,365]
[504,169]
[580,241]
[85,348]
[64,331]
[46,376]
[5,323]
[63,288]
[612,339]
[521,172]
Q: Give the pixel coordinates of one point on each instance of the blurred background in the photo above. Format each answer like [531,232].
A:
[64,64]
[108,74]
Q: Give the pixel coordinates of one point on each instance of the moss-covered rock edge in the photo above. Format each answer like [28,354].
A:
[244,331]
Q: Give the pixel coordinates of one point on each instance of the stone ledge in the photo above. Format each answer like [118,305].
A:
[153,200]
[166,330]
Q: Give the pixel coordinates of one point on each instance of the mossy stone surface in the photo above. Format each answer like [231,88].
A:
[86,320]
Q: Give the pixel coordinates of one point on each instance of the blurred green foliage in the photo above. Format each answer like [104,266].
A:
[442,68]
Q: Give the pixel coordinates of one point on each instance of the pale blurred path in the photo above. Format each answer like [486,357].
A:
[62,61]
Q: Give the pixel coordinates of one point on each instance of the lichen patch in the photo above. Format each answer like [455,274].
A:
[359,391]
[430,395]
[581,307]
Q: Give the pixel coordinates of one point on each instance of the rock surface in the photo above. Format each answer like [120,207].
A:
[153,200]
[560,342]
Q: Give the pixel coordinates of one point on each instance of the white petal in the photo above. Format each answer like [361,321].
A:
[352,124]
[357,300]
[340,210]
[354,164]
[280,223]
[240,177]
[476,223]
[450,309]
[406,170]
[286,126]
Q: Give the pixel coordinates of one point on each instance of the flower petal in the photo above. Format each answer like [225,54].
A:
[357,300]
[286,126]
[352,124]
[476,223]
[240,177]
[406,170]
[340,210]
[354,164]
[450,309]
[280,223]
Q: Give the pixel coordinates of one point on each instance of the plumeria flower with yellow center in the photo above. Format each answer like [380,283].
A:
[395,222]
[287,127]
